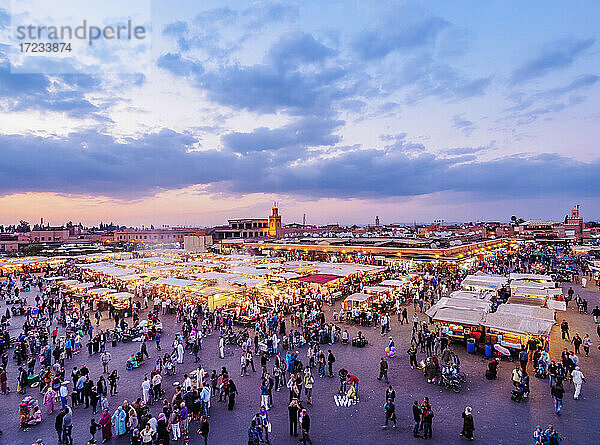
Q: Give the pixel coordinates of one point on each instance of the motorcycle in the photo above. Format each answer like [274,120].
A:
[452,378]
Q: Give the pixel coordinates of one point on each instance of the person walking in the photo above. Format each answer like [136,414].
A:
[174,423]
[253,434]
[523,359]
[67,425]
[390,413]
[305,425]
[293,408]
[564,328]
[330,362]
[221,347]
[417,414]
[112,380]
[427,424]
[577,341]
[204,429]
[264,394]
[557,392]
[383,370]
[309,381]
[146,389]
[144,349]
[578,378]
[58,425]
[231,393]
[587,344]
[468,425]
[412,354]
[243,364]
[105,359]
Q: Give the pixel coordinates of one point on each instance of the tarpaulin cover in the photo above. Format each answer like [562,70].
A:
[319,278]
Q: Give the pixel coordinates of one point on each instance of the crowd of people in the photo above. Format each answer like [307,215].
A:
[289,345]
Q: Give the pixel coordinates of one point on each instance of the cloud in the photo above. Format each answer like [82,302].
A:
[94,163]
[461,151]
[581,82]
[4,18]
[406,30]
[393,173]
[465,126]
[295,49]
[528,107]
[219,31]
[425,77]
[179,66]
[298,136]
[176,28]
[301,74]
[401,145]
[293,78]
[553,56]
[62,94]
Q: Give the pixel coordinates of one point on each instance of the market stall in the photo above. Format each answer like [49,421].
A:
[121,302]
[514,331]
[461,314]
[358,301]
[101,296]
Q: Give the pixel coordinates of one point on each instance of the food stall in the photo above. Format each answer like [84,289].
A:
[358,301]
[357,307]
[484,282]
[514,331]
[530,290]
[101,296]
[177,289]
[457,324]
[121,302]
[460,315]
[80,289]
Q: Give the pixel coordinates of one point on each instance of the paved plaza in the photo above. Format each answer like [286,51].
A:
[498,420]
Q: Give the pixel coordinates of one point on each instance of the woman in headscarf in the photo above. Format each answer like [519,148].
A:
[161,430]
[106,426]
[132,423]
[468,425]
[118,421]
[231,392]
[49,400]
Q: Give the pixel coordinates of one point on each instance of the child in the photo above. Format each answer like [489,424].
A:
[93,428]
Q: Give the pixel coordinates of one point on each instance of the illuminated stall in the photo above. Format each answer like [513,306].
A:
[121,302]
[514,331]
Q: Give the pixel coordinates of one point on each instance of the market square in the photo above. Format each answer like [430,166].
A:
[333,414]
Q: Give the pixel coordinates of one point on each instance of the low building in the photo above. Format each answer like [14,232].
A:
[251,227]
[156,236]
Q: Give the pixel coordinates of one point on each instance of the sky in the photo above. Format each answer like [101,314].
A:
[340,110]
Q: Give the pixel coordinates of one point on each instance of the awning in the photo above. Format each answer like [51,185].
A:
[358,297]
[517,325]
[319,278]
[176,282]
